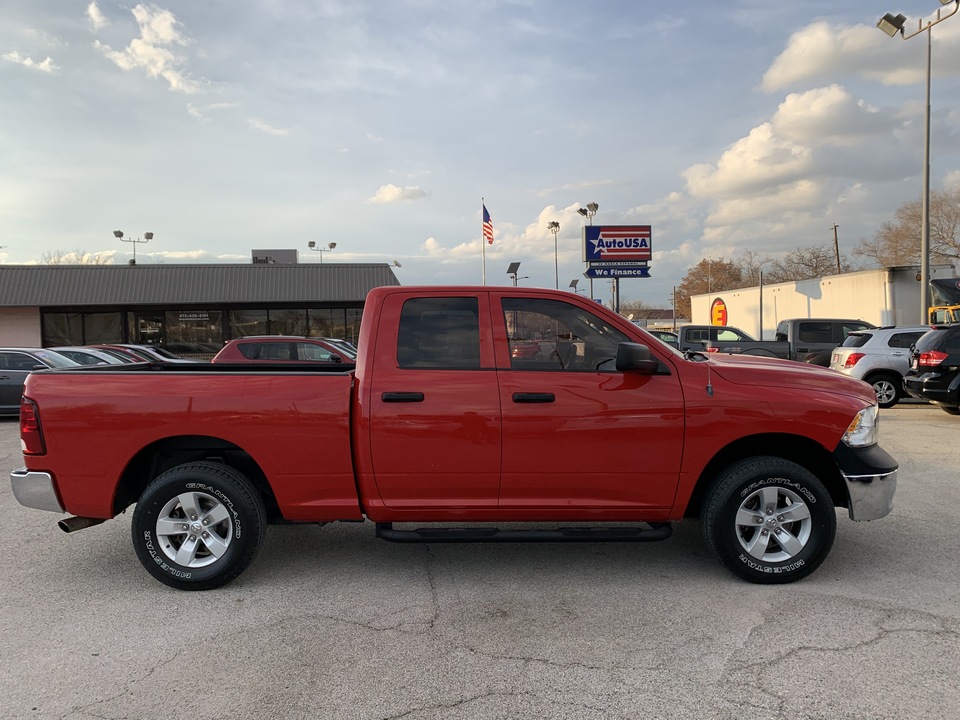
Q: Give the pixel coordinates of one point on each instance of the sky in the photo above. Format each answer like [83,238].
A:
[224,127]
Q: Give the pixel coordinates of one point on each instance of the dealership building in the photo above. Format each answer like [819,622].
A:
[189,309]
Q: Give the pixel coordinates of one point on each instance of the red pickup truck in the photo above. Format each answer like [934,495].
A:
[603,434]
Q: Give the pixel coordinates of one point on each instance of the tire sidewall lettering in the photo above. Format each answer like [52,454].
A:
[225,499]
[158,558]
[794,485]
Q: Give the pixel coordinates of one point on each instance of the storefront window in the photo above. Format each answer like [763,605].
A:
[106,327]
[325,322]
[288,322]
[62,329]
[244,323]
[194,333]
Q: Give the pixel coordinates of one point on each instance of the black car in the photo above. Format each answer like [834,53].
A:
[18,362]
[934,374]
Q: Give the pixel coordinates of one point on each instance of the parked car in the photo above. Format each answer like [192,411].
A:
[123,354]
[665,336]
[934,374]
[283,348]
[880,357]
[15,364]
[151,353]
[88,355]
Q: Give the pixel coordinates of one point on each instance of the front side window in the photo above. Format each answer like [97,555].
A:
[440,333]
[312,351]
[555,335]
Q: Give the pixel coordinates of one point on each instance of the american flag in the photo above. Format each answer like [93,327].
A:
[487,226]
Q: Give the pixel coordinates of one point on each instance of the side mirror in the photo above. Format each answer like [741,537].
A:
[336,359]
[634,357]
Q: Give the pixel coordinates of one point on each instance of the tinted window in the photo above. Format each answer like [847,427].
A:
[856,339]
[853,327]
[439,333]
[930,340]
[816,332]
[275,351]
[903,340]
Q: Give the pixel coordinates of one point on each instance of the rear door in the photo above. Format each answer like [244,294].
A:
[578,434]
[432,416]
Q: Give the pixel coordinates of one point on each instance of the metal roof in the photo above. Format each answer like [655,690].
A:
[54,285]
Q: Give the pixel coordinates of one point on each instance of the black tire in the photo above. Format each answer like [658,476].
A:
[207,548]
[792,521]
[889,389]
[950,410]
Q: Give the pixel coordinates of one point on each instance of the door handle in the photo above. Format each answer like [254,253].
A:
[533,397]
[402,397]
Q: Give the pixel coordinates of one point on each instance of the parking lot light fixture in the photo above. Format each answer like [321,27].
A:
[147,237]
[892,25]
[554,227]
[316,248]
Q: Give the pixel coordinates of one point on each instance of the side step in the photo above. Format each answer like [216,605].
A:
[656,531]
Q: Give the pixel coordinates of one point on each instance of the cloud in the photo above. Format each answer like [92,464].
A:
[393,193]
[258,124]
[45,66]
[150,52]
[823,52]
[96,18]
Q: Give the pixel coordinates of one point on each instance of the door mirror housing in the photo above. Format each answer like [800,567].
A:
[634,357]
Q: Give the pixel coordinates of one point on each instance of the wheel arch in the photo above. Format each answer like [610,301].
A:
[882,372]
[796,448]
[162,455]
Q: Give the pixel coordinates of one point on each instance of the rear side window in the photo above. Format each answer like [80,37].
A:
[816,332]
[952,344]
[439,333]
[903,340]
[856,340]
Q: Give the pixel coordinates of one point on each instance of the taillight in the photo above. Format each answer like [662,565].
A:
[712,349]
[931,358]
[853,359]
[31,436]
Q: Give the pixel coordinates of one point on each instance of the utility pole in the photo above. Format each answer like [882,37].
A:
[836,247]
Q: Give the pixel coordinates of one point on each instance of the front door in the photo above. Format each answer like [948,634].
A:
[577,434]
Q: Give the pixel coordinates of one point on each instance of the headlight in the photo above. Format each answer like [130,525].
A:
[862,431]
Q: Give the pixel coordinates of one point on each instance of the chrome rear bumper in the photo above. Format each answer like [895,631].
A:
[35,490]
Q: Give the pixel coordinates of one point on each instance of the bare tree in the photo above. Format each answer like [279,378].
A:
[897,242]
[707,276]
[807,263]
[77,257]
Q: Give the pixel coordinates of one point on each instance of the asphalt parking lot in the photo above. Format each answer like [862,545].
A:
[332,623]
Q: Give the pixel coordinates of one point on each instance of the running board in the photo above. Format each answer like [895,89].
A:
[656,531]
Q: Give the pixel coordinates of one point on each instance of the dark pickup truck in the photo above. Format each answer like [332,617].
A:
[809,340]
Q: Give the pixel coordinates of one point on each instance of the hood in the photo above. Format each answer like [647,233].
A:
[773,372]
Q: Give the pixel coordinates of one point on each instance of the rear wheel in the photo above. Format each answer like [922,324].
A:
[198,526]
[768,520]
[888,389]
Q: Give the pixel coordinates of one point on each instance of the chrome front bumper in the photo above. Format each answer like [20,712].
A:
[35,490]
[870,475]
[871,496]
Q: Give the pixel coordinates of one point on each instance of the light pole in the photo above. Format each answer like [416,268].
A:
[588,212]
[760,273]
[147,237]
[512,271]
[573,285]
[316,248]
[891,25]
[554,227]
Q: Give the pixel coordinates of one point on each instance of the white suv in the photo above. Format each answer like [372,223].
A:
[880,357]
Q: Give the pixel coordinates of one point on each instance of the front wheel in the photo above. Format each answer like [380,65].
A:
[950,410]
[198,526]
[768,520]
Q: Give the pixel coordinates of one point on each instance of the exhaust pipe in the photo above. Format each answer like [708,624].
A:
[72,524]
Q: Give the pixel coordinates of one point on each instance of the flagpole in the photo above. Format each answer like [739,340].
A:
[483,248]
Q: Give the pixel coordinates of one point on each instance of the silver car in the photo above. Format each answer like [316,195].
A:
[880,356]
